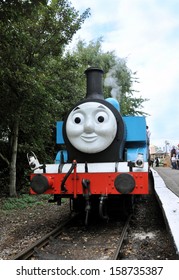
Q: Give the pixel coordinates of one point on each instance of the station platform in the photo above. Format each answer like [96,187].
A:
[166,185]
[170,177]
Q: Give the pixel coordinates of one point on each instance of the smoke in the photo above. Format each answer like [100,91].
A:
[112,81]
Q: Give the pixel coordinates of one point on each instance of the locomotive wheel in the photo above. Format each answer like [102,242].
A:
[121,206]
[129,203]
[78,204]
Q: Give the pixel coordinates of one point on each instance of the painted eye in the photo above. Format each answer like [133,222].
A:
[77,120]
[101,117]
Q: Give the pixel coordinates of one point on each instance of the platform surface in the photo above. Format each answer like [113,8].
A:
[170,177]
[166,185]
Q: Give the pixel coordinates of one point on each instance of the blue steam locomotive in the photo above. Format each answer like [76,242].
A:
[105,159]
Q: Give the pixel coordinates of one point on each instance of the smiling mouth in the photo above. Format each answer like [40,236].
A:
[88,138]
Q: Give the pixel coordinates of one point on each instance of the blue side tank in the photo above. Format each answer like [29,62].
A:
[136,138]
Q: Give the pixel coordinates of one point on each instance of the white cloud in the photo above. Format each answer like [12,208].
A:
[147,33]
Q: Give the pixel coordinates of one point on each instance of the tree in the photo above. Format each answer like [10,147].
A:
[121,87]
[118,78]
[33,35]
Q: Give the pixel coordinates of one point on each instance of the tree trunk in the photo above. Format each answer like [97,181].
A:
[12,183]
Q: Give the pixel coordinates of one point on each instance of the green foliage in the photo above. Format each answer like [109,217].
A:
[40,80]
[115,69]
[23,202]
[33,38]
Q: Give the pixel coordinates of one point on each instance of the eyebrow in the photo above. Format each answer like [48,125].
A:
[102,107]
[77,108]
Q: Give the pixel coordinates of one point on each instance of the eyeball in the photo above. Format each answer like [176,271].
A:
[101,117]
[78,118]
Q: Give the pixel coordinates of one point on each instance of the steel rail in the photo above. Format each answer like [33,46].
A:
[122,236]
[28,252]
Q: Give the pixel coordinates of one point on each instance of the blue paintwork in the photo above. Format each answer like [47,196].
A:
[59,134]
[136,129]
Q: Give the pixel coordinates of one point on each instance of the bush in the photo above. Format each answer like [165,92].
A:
[24,201]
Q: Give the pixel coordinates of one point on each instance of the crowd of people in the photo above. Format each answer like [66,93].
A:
[174,154]
[155,161]
[174,159]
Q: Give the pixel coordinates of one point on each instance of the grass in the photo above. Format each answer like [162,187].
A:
[23,201]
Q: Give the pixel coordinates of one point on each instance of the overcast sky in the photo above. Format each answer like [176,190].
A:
[146,32]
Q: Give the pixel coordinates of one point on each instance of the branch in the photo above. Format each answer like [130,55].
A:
[5,159]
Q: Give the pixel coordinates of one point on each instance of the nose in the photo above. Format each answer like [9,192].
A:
[89,126]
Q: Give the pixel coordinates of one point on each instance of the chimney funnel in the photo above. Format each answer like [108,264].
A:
[94,83]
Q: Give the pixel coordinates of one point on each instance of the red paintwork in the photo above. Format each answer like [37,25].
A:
[100,183]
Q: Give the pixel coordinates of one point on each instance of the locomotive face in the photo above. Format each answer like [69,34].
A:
[91,127]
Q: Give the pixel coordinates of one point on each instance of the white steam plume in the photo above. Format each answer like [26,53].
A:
[112,81]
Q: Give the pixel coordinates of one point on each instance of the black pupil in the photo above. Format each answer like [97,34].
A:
[100,119]
[77,120]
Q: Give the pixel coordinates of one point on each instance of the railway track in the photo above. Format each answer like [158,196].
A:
[74,241]
[28,252]
[122,237]
[147,238]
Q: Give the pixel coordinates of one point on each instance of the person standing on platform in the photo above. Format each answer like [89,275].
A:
[148,135]
[173,151]
[174,162]
[157,162]
[177,156]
